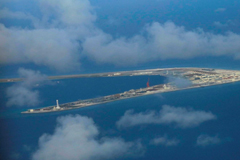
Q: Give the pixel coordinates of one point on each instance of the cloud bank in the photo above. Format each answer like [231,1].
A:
[23,93]
[206,140]
[164,140]
[53,40]
[163,41]
[168,115]
[67,31]
[53,48]
[77,138]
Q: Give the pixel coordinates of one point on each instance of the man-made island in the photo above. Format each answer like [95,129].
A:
[199,77]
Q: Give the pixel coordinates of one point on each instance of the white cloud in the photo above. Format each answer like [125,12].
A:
[77,138]
[67,31]
[162,41]
[168,115]
[220,10]
[21,96]
[50,47]
[23,93]
[53,42]
[205,140]
[68,12]
[164,140]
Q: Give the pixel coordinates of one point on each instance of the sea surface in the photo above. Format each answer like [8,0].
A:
[20,133]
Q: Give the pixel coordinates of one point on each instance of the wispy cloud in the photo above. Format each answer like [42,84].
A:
[179,82]
[23,93]
[219,24]
[113,21]
[27,148]
[77,137]
[220,10]
[6,13]
[15,156]
[168,115]
[225,24]
[164,140]
[206,140]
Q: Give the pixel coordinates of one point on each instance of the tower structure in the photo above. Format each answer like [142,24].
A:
[148,83]
[58,107]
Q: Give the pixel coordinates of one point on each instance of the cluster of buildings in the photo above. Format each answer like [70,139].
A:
[213,77]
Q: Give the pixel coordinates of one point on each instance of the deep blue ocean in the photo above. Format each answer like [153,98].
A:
[19,131]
